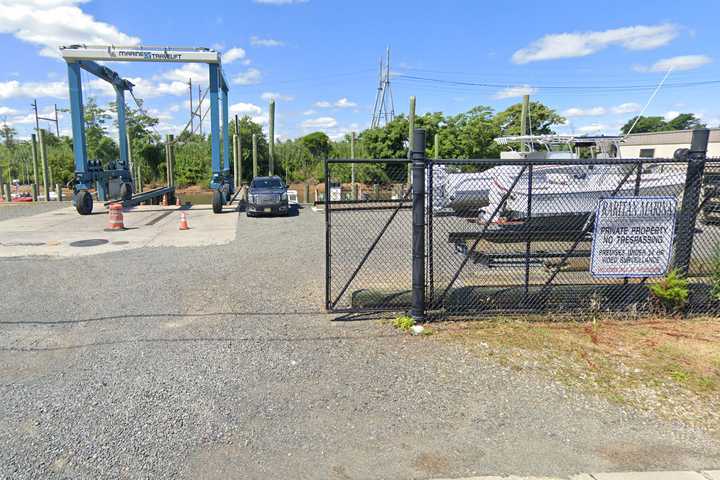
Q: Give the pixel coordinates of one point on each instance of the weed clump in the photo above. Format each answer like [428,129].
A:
[671,293]
[404,323]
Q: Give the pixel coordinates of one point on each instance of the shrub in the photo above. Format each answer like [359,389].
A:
[672,292]
[404,323]
[715,277]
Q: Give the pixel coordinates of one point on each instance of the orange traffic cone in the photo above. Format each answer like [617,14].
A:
[115,217]
[177,202]
[165,200]
[183,222]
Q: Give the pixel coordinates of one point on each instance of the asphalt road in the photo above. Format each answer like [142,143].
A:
[218,362]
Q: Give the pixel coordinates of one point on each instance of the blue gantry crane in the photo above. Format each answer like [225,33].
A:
[116,180]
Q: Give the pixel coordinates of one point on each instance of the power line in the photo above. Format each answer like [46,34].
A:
[638,87]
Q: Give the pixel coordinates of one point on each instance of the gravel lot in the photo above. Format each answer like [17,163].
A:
[219,363]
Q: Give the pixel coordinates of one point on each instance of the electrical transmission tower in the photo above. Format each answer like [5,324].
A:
[384,110]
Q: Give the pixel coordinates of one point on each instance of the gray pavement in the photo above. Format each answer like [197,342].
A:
[219,362]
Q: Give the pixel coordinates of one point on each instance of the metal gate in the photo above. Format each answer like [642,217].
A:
[368,237]
[502,236]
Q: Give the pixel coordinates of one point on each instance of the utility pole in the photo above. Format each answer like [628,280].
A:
[57,123]
[44,160]
[237,147]
[411,123]
[34,146]
[523,120]
[200,109]
[271,131]
[254,155]
[192,112]
[47,119]
[353,187]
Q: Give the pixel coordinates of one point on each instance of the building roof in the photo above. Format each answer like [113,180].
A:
[673,137]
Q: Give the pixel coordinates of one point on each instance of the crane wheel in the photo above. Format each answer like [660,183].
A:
[83,202]
[217,201]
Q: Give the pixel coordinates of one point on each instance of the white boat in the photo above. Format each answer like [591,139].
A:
[465,194]
[577,189]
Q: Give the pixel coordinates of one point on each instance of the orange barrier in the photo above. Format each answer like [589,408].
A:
[115,217]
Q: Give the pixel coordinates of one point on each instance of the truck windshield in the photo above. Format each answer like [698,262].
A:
[266,183]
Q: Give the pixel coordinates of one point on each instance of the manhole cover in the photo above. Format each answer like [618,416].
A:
[121,242]
[92,242]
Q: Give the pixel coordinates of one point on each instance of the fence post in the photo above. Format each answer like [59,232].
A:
[685,226]
[417,157]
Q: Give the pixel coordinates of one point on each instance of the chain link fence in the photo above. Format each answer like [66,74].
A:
[528,235]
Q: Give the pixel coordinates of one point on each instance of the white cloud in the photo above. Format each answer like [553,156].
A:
[670,115]
[15,89]
[51,23]
[630,107]
[7,111]
[235,53]
[320,122]
[345,103]
[517,91]
[265,42]
[197,72]
[276,96]
[584,112]
[593,128]
[280,2]
[682,62]
[309,112]
[245,109]
[251,76]
[568,45]
[341,103]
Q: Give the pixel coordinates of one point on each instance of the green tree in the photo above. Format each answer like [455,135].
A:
[146,147]
[99,145]
[317,143]
[247,128]
[644,125]
[685,121]
[8,135]
[542,119]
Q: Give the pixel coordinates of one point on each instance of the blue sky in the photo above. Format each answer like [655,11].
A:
[319,58]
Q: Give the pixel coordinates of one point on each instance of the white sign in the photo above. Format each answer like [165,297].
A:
[633,236]
[335,194]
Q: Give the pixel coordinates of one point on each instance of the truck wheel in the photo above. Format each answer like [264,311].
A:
[125,191]
[217,201]
[83,202]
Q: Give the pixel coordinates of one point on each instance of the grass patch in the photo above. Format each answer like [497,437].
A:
[669,366]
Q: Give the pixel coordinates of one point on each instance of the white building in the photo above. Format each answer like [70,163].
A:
[664,144]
